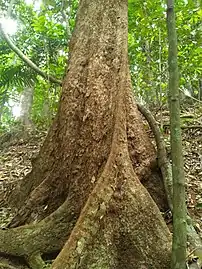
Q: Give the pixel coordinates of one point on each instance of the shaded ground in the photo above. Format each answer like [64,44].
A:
[17,149]
[192,141]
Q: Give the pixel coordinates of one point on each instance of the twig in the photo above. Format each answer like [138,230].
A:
[27,60]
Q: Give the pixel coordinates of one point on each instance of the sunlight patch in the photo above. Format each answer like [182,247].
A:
[9,25]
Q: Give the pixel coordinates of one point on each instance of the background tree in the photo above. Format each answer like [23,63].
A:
[148,41]
[45,43]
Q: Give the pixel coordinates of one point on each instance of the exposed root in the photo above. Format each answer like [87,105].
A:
[111,186]
[165,166]
[163,162]
[47,236]
[50,234]
[88,223]
[35,261]
[6,266]
[37,199]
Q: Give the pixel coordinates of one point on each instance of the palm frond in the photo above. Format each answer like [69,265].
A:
[17,76]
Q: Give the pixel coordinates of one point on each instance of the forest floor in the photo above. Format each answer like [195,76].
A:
[18,148]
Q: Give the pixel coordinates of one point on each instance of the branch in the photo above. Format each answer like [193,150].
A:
[199,126]
[27,60]
[165,166]
[191,97]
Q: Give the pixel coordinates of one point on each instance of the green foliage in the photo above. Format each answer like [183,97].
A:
[7,120]
[43,35]
[148,48]
[17,75]
[147,53]
[45,103]
[13,72]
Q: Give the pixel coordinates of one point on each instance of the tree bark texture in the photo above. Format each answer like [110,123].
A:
[85,185]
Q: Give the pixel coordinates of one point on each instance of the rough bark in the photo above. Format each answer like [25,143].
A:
[85,119]
[85,183]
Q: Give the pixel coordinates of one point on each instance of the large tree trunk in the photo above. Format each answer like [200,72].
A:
[85,183]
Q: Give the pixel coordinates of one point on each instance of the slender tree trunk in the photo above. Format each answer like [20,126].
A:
[179,200]
[85,184]
[26,106]
[46,111]
[200,89]
[2,107]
